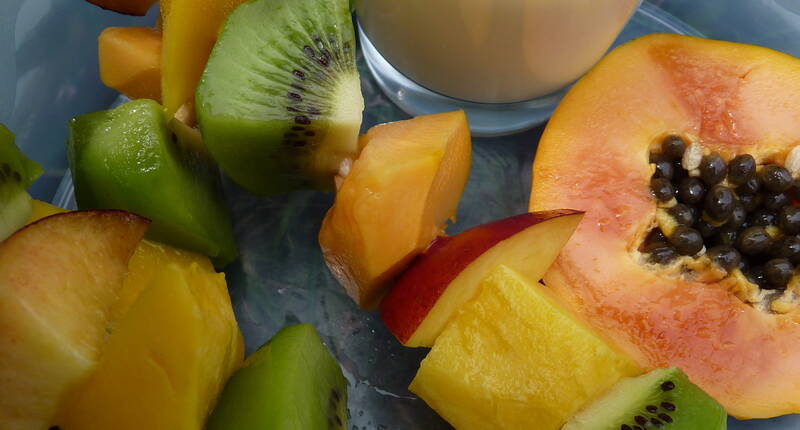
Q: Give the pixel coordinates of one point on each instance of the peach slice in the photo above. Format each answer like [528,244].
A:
[447,275]
[130,61]
[395,199]
[128,7]
[514,358]
[59,278]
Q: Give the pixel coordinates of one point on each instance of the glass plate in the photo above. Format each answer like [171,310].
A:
[281,278]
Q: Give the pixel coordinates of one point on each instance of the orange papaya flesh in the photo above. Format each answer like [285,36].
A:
[593,156]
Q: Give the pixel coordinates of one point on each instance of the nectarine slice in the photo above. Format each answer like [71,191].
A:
[130,61]
[128,7]
[396,198]
[427,295]
[59,278]
[513,358]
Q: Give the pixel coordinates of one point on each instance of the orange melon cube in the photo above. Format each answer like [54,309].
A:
[395,200]
[130,61]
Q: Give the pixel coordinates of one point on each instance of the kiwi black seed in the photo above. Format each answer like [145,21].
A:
[726,257]
[673,147]
[719,202]
[778,272]
[691,191]
[741,169]
[774,201]
[713,169]
[662,189]
[776,179]
[686,240]
[753,240]
[789,219]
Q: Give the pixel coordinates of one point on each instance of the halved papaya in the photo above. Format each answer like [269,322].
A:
[653,144]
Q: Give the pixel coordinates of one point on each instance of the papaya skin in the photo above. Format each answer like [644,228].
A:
[593,156]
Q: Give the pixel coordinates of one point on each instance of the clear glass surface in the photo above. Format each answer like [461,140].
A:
[48,53]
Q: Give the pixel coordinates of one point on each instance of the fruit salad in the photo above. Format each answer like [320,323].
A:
[651,282]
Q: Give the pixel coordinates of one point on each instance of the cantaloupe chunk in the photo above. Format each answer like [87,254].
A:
[514,359]
[395,200]
[130,61]
[190,30]
[170,352]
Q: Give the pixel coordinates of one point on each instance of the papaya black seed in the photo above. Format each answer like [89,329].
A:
[774,201]
[776,179]
[754,240]
[673,146]
[756,275]
[741,169]
[789,219]
[762,217]
[663,167]
[750,202]
[706,230]
[662,189]
[691,191]
[726,237]
[686,240]
[661,253]
[726,257]
[719,202]
[751,186]
[737,217]
[787,247]
[713,169]
[778,272]
[683,214]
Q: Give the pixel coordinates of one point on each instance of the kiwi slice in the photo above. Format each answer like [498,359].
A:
[663,399]
[290,383]
[127,158]
[17,172]
[279,103]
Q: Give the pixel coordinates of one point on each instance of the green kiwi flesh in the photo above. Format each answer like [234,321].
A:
[128,158]
[17,172]
[290,383]
[663,399]
[279,103]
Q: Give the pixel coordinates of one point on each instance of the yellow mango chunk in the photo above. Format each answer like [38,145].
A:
[42,210]
[190,29]
[169,353]
[130,61]
[514,359]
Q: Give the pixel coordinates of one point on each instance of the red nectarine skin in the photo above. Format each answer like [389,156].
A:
[418,289]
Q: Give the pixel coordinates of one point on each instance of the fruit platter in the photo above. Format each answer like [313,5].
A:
[226,224]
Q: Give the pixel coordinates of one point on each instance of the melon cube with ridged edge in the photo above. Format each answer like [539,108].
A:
[395,200]
[514,359]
